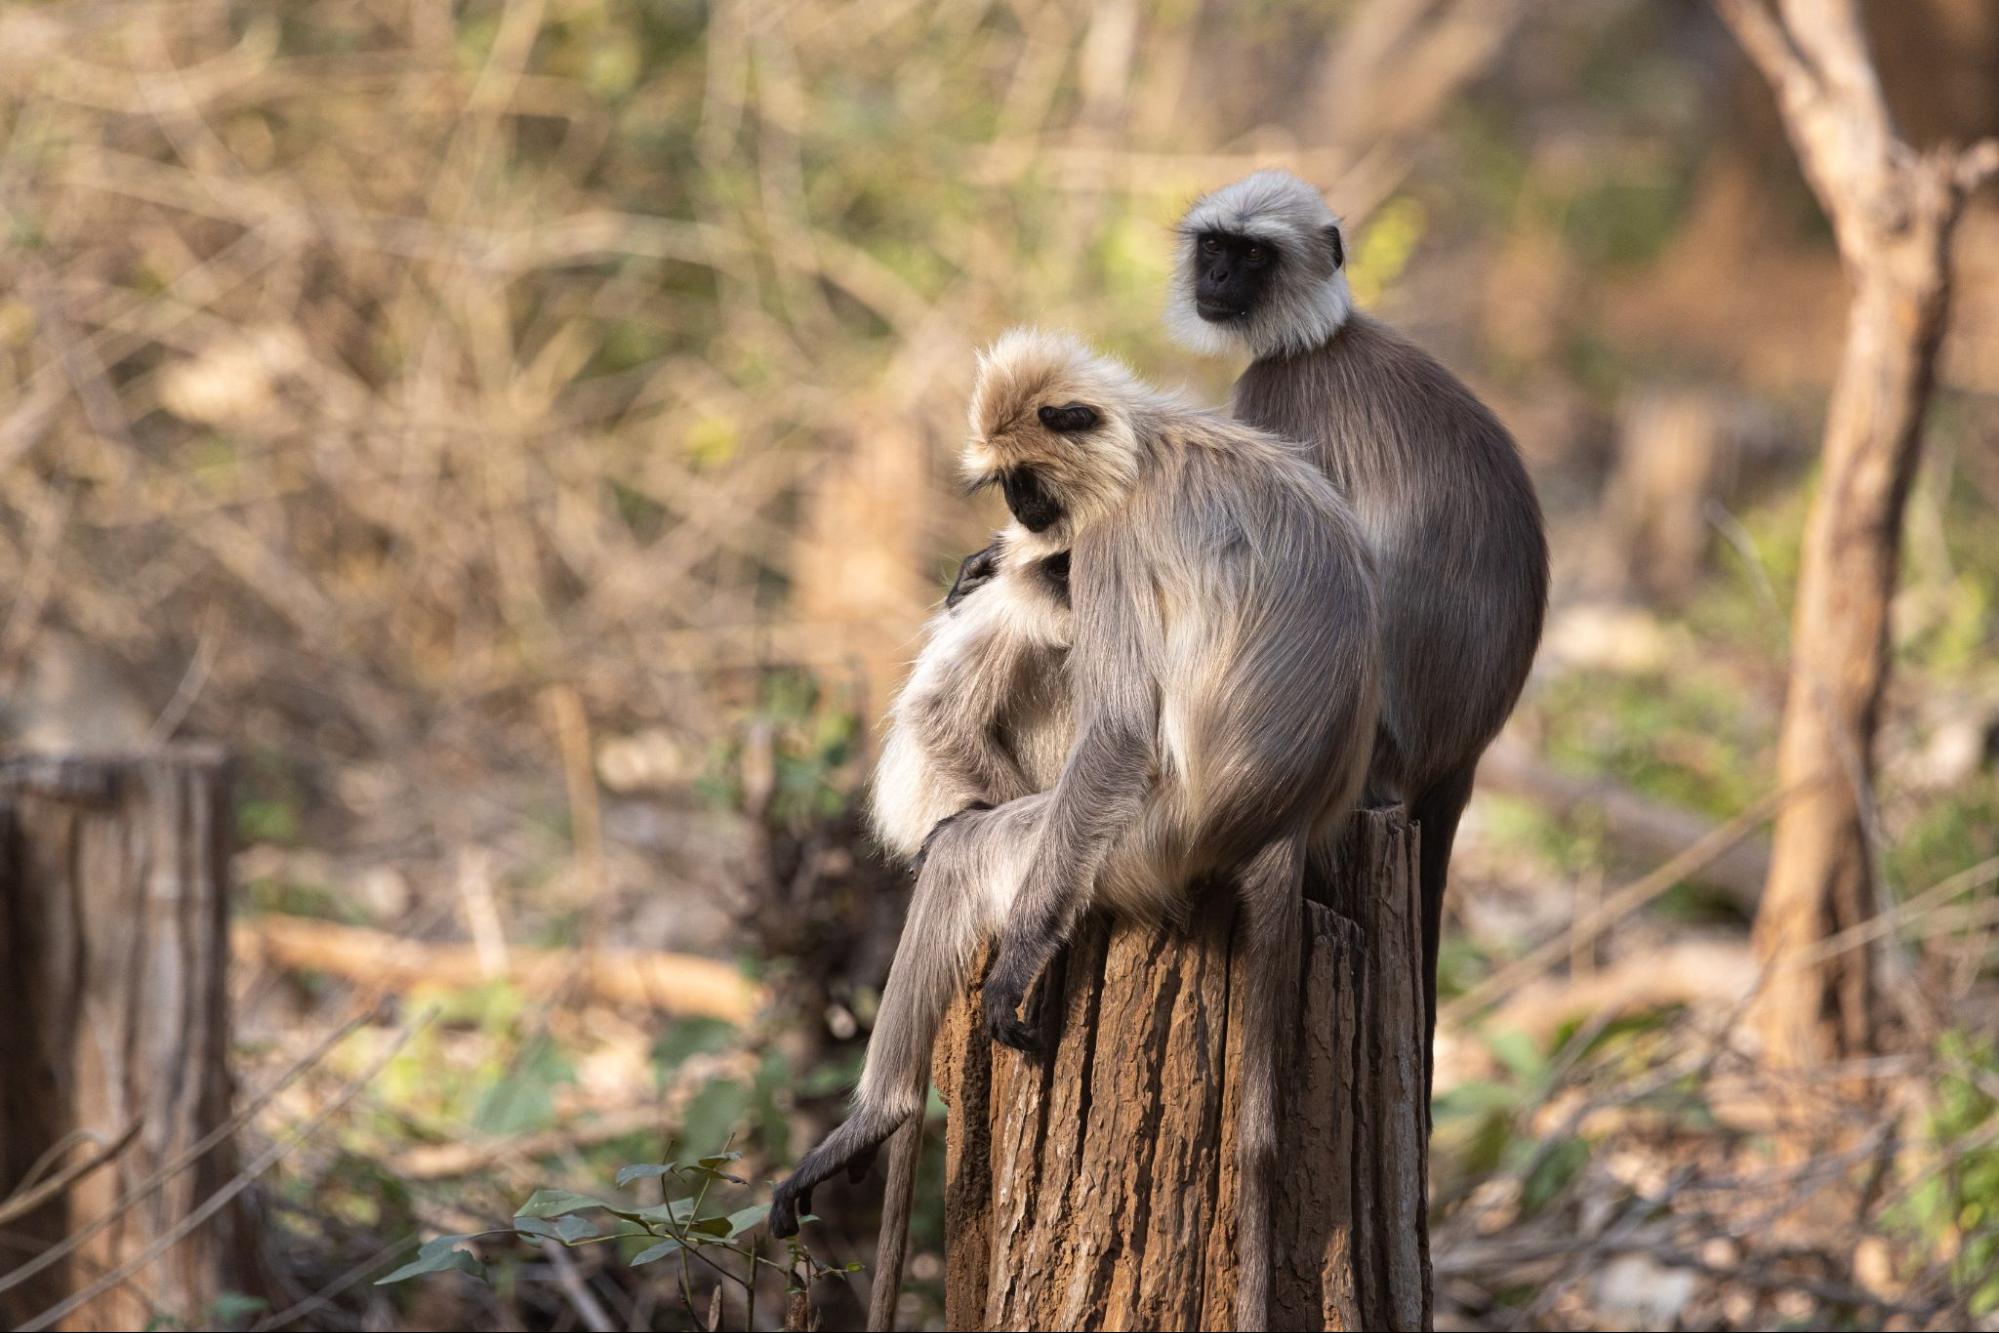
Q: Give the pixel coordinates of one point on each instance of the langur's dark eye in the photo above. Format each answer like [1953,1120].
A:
[1210,246]
[1068,418]
[1256,254]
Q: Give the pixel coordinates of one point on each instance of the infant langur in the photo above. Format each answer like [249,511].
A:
[985,716]
[1221,662]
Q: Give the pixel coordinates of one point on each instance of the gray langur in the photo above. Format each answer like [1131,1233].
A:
[984,717]
[1221,661]
[1447,507]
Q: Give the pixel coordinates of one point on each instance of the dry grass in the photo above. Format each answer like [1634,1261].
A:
[469,410]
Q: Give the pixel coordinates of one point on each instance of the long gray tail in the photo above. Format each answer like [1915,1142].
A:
[905,1152]
[1436,813]
[969,869]
[1271,888]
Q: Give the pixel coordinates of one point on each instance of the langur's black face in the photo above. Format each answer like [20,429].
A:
[1230,274]
[1028,495]
[1029,500]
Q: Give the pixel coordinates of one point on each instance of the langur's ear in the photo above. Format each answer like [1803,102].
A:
[1068,418]
[1333,242]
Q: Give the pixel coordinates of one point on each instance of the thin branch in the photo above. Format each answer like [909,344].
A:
[1617,906]
[1763,35]
[21,1203]
[201,1148]
[240,1182]
[588,1308]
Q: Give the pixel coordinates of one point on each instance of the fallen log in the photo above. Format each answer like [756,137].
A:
[674,982]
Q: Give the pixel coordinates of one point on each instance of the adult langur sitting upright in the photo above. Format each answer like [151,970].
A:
[1443,500]
[1221,651]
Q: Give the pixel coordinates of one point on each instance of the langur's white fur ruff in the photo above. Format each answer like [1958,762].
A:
[1307,299]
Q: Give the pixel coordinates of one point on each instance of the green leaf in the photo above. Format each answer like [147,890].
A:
[1488,1143]
[709,1226]
[1517,1051]
[653,1253]
[706,1168]
[572,1229]
[524,1099]
[1477,1096]
[675,1213]
[1552,1174]
[745,1218]
[438,1256]
[643,1171]
[770,1121]
[831,1076]
[235,1307]
[557,1203]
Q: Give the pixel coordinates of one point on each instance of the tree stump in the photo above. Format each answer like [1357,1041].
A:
[1097,1190]
[114,877]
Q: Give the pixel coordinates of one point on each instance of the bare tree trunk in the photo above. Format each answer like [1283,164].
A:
[114,882]
[1098,1191]
[1894,212]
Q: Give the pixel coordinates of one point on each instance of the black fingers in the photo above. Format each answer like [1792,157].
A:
[788,1202]
[975,569]
[1010,1031]
[851,1147]
[792,1199]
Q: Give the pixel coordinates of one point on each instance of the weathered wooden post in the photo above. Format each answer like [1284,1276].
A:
[1097,1191]
[114,950]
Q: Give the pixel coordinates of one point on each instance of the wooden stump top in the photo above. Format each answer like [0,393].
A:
[1097,1190]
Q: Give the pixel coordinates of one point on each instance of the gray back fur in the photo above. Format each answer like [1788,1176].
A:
[1452,520]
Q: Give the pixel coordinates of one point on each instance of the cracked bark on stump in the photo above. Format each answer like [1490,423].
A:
[114,881]
[1097,1191]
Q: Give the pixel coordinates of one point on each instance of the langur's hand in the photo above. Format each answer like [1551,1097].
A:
[975,569]
[787,1203]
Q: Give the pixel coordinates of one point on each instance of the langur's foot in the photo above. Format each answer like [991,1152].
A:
[1002,1005]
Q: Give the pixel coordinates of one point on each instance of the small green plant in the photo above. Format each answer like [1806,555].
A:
[695,1231]
[1953,1212]
[792,758]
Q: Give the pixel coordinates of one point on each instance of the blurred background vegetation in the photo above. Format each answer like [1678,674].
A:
[523,432]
